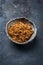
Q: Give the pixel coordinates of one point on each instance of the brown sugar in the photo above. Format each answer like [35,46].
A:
[20,32]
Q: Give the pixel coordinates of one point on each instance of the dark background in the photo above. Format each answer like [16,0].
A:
[10,53]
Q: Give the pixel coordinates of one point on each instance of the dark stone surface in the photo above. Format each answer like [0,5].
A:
[10,53]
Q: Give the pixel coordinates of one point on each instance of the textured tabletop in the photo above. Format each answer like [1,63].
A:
[10,53]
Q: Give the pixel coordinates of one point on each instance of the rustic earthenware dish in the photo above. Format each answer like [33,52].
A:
[25,20]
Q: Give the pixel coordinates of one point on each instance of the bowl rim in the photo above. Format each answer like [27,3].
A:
[26,42]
